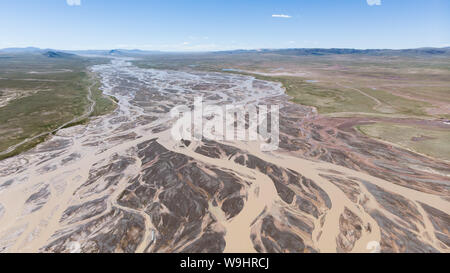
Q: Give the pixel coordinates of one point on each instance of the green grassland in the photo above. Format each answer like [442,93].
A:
[428,141]
[103,104]
[52,92]
[325,99]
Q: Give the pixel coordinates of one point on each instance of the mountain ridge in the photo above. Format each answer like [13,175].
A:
[430,51]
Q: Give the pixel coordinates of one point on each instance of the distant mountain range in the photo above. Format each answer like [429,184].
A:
[53,53]
[58,54]
[346,51]
[21,50]
[426,51]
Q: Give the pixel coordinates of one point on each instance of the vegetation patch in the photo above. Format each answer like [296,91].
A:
[53,91]
[431,142]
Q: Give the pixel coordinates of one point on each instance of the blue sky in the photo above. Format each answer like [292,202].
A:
[197,25]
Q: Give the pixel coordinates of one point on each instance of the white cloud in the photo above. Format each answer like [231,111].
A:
[374,2]
[281,16]
[73,2]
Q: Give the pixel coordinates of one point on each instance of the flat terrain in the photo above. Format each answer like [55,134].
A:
[39,94]
[122,183]
[395,85]
[425,140]
[388,85]
[362,163]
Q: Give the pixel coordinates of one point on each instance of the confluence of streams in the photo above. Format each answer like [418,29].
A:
[122,184]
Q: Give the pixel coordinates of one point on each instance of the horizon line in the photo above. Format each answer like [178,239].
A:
[223,50]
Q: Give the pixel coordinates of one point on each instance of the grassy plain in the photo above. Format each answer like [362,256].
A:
[39,94]
[428,141]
